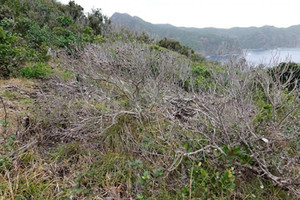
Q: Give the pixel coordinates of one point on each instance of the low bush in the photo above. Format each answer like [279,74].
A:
[37,71]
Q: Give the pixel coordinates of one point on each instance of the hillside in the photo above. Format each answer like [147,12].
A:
[211,41]
[89,111]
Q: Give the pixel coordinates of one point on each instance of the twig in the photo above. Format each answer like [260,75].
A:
[23,148]
[198,151]
[5,114]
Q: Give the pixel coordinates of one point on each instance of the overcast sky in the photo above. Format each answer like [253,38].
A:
[204,13]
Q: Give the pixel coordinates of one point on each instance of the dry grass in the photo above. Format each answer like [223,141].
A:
[18,94]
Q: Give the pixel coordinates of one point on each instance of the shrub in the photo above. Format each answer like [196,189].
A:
[23,25]
[98,39]
[98,22]
[87,35]
[202,76]
[196,57]
[36,36]
[38,71]
[65,21]
[11,53]
[64,37]
[174,45]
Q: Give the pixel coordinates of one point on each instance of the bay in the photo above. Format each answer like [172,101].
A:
[273,56]
[268,57]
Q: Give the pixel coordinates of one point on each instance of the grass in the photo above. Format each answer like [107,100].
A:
[16,96]
[74,170]
[64,74]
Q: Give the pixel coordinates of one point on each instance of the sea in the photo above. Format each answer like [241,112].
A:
[255,57]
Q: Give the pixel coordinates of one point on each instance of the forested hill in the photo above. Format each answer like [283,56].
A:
[216,40]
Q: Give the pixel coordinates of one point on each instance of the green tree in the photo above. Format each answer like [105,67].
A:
[75,11]
[98,22]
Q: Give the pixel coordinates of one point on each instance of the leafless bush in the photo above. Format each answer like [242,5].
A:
[148,84]
[230,117]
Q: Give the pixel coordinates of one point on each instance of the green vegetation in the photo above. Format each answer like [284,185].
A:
[29,28]
[39,70]
[174,45]
[89,111]
[11,53]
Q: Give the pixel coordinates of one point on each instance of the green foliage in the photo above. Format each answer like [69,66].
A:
[207,182]
[89,36]
[9,94]
[12,54]
[4,125]
[29,28]
[145,181]
[98,22]
[259,189]
[5,12]
[6,161]
[238,153]
[64,37]
[155,47]
[37,71]
[75,11]
[265,114]
[108,170]
[69,152]
[67,75]
[65,21]
[98,39]
[197,57]
[174,45]
[37,36]
[7,23]
[202,77]
[23,25]
[202,71]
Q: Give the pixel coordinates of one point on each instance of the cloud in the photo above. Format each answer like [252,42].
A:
[203,13]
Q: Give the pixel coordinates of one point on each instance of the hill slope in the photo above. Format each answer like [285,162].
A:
[215,40]
[90,112]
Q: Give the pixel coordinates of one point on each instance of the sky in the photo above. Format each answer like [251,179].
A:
[203,13]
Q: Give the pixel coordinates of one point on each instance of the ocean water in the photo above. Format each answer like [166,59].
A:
[271,57]
[266,57]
